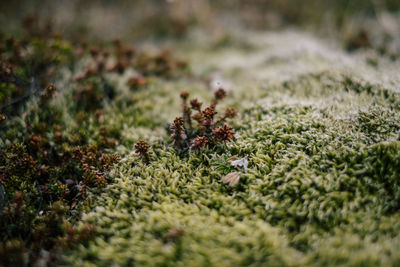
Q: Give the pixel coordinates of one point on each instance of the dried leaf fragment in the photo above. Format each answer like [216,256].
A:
[231,178]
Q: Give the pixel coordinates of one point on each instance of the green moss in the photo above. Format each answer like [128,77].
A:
[319,128]
[321,189]
[309,180]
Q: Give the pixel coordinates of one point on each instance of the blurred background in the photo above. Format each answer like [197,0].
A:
[356,23]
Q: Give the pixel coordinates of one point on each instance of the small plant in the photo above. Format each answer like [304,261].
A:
[195,132]
[143,150]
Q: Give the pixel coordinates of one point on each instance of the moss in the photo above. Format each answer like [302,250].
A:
[309,180]
[321,188]
[317,125]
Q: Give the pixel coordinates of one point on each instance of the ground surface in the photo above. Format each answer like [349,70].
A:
[316,86]
[321,131]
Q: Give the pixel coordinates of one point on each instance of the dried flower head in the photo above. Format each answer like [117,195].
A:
[177,131]
[199,143]
[223,133]
[178,122]
[184,95]
[220,93]
[100,181]
[142,148]
[209,113]
[231,178]
[196,104]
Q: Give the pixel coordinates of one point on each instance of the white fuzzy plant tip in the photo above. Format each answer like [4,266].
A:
[240,163]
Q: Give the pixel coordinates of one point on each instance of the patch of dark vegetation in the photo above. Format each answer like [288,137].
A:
[28,64]
[143,150]
[47,168]
[359,40]
[34,175]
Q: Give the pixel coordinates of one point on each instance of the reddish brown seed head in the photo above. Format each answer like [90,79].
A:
[199,143]
[209,113]
[184,95]
[220,94]
[223,134]
[195,104]
[178,122]
[142,148]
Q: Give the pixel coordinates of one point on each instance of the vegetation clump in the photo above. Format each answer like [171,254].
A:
[195,132]
[56,144]
[49,158]
[143,150]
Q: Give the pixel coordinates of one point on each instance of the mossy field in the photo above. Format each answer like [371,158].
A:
[200,133]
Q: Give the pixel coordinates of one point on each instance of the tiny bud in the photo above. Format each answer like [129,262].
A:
[199,143]
[220,94]
[184,95]
[196,104]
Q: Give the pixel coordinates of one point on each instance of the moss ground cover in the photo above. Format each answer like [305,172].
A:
[322,186]
[97,168]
